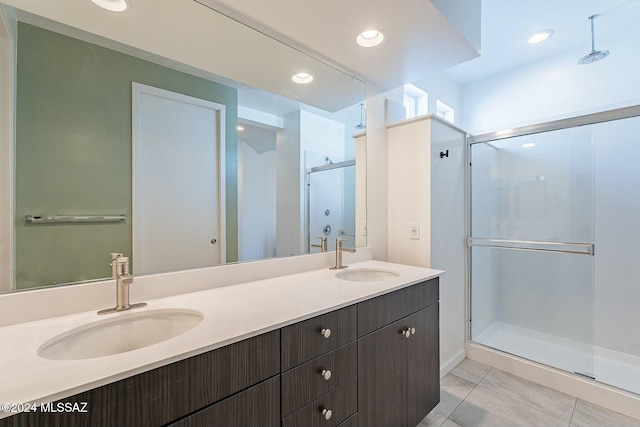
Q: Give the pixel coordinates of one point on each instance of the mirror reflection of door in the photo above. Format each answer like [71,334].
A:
[176,200]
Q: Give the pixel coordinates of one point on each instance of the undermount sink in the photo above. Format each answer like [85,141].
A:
[126,332]
[366,274]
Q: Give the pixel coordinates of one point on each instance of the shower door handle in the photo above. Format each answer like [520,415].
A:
[532,245]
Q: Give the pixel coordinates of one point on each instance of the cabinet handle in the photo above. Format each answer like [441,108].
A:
[326,374]
[413,331]
[406,332]
[327,414]
[326,332]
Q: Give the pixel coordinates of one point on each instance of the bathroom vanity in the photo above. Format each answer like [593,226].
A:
[370,358]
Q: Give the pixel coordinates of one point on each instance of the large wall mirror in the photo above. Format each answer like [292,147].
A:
[170,133]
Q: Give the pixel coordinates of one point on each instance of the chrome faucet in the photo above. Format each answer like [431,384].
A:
[322,245]
[120,272]
[339,250]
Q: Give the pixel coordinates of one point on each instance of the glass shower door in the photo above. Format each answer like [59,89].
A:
[531,247]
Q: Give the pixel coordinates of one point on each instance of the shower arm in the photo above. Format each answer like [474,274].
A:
[593,37]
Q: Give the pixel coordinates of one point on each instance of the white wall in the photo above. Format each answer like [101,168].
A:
[438,87]
[7,104]
[289,206]
[448,249]
[303,132]
[427,190]
[551,89]
[465,16]
[361,190]
[409,187]
[617,229]
[256,203]
[322,135]
[441,87]
[377,215]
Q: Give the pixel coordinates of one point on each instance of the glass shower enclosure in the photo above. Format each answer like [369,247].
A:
[553,220]
[331,204]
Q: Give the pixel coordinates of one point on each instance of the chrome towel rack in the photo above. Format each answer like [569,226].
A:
[74,219]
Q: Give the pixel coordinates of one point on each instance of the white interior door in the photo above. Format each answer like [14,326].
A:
[176,178]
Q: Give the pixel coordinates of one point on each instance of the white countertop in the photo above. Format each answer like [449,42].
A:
[231,314]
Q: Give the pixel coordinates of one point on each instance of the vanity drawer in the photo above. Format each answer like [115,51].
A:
[304,340]
[342,402]
[383,310]
[306,382]
[257,406]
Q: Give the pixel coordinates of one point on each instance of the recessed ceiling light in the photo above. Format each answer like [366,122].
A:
[302,78]
[112,5]
[370,38]
[528,145]
[540,36]
[240,127]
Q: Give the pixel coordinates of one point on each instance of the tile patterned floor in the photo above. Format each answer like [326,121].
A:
[476,395]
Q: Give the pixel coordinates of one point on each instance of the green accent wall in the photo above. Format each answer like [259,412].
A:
[73,152]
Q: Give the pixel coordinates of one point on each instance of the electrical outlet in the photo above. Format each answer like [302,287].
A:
[414,231]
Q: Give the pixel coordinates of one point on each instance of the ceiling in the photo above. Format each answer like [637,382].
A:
[507,24]
[419,38]
[420,42]
[190,37]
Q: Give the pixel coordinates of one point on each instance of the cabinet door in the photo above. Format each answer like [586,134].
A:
[423,364]
[382,387]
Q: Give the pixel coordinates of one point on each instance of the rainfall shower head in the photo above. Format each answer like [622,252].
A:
[594,55]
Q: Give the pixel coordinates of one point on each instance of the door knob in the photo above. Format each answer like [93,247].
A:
[326,332]
[326,374]
[214,241]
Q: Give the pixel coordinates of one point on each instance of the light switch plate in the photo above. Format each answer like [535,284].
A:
[414,231]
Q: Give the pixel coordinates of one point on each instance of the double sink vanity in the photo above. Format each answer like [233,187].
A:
[356,347]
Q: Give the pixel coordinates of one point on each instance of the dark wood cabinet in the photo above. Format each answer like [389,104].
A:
[305,340]
[257,406]
[398,364]
[319,362]
[423,364]
[385,309]
[382,367]
[310,380]
[383,356]
[168,393]
[352,421]
[342,402]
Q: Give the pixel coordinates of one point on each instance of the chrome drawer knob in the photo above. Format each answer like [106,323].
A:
[326,374]
[326,332]
[327,414]
[413,331]
[406,332]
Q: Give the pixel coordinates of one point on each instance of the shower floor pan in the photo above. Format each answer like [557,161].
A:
[610,367]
